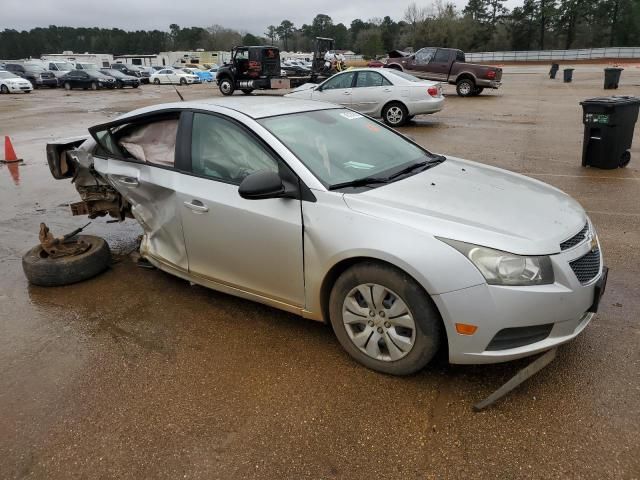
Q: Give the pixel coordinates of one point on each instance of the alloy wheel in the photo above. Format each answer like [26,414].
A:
[395,115]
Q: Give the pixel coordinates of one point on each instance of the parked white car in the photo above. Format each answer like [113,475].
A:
[388,94]
[173,76]
[10,83]
[322,211]
[59,68]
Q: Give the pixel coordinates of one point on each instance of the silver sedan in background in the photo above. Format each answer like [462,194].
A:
[394,96]
[321,211]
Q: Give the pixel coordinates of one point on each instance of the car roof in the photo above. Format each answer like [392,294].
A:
[259,106]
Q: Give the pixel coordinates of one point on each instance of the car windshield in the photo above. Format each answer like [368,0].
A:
[113,72]
[7,75]
[64,66]
[341,146]
[88,66]
[406,76]
[35,68]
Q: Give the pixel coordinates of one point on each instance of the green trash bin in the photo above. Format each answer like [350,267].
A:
[608,130]
[568,75]
[612,77]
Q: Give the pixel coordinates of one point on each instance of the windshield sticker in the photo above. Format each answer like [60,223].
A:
[358,165]
[351,115]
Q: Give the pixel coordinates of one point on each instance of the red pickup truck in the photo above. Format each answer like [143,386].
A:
[447,65]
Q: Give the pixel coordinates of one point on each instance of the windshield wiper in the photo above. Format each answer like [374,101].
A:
[422,165]
[360,182]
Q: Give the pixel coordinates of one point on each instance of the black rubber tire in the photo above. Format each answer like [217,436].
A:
[477,91]
[156,81]
[229,89]
[94,86]
[4,89]
[53,272]
[465,87]
[119,84]
[428,321]
[67,86]
[135,85]
[402,121]
[625,159]
[247,91]
[183,81]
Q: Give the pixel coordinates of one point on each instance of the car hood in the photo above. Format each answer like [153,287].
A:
[307,87]
[475,203]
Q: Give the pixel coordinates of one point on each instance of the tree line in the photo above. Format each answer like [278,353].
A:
[482,25]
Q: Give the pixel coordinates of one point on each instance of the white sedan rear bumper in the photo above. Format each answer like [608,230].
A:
[429,105]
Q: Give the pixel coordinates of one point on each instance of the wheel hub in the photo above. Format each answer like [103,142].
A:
[378,322]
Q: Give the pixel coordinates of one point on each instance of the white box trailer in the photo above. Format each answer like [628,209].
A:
[137,60]
[197,57]
[100,59]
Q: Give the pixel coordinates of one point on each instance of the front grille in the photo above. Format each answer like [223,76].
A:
[587,267]
[576,239]
[519,336]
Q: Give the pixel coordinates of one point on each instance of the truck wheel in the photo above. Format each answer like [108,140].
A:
[226,87]
[395,114]
[477,91]
[384,319]
[42,270]
[465,87]
[247,91]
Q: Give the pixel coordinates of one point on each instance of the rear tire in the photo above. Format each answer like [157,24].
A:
[465,87]
[226,87]
[406,327]
[395,114]
[52,272]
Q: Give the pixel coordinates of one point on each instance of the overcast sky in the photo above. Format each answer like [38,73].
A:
[245,15]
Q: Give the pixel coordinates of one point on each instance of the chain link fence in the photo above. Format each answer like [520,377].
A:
[549,55]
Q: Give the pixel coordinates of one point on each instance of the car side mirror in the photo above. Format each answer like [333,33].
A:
[264,184]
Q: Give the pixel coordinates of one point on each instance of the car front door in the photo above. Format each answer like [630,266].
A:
[371,91]
[138,158]
[250,246]
[338,89]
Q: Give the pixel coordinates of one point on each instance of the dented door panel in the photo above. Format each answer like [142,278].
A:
[151,191]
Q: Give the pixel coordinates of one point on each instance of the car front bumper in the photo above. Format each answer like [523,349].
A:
[14,88]
[565,308]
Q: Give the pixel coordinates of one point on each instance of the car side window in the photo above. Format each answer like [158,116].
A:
[152,142]
[371,79]
[343,80]
[222,150]
[441,56]
[424,55]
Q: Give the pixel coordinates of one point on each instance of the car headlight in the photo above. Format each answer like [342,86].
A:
[503,268]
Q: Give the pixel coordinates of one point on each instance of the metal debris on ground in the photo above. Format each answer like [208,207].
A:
[524,374]
[64,246]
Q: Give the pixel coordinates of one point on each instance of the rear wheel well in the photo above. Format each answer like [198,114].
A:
[466,76]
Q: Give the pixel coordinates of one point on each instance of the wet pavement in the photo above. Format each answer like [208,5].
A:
[136,374]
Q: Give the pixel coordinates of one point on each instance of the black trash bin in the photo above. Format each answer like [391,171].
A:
[612,77]
[608,130]
[568,75]
[554,69]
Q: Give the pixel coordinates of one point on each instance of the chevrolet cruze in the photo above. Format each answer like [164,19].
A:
[321,211]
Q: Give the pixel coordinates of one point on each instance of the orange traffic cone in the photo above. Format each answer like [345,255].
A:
[9,153]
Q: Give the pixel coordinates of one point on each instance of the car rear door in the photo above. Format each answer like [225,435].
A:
[138,158]
[370,92]
[338,89]
[247,246]
[440,64]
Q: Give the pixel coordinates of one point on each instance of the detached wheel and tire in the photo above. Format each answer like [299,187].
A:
[384,319]
[226,87]
[40,269]
[395,114]
[465,87]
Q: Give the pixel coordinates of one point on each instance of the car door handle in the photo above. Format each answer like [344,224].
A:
[128,181]
[196,206]
[346,93]
[386,90]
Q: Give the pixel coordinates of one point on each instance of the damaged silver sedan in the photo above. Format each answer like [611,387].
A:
[318,210]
